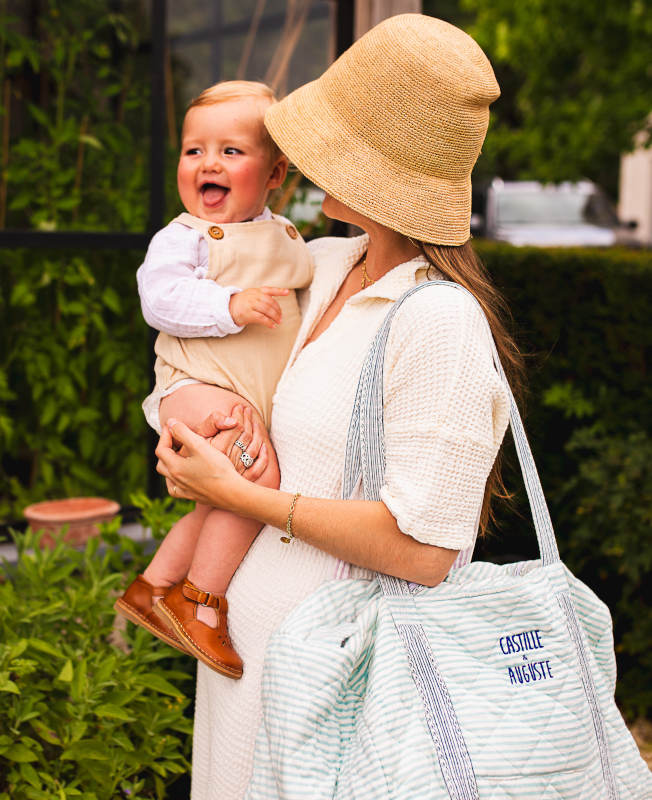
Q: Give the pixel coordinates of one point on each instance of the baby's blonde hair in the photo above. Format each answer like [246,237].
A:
[224,91]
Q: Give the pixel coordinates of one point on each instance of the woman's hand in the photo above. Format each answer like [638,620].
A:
[204,474]
[247,430]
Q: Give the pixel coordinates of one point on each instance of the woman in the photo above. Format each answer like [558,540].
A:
[391,132]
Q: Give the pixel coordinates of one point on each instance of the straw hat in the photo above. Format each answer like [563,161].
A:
[393,128]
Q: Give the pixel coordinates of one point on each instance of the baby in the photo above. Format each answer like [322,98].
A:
[208,284]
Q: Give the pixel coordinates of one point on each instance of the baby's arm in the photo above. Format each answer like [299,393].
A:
[174,295]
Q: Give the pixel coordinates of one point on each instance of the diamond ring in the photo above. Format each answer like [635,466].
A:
[246,459]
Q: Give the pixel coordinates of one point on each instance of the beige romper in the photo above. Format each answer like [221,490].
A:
[266,252]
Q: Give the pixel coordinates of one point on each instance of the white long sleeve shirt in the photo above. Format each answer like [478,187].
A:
[175,295]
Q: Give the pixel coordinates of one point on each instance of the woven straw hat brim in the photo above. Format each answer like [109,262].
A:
[335,159]
[394,126]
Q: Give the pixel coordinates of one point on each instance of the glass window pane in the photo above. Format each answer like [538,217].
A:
[282,42]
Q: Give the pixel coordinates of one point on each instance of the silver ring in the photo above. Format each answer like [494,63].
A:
[174,488]
[246,459]
[239,444]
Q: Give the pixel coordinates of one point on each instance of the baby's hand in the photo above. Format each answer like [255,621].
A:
[257,306]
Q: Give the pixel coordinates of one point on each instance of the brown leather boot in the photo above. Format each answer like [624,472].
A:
[212,646]
[136,605]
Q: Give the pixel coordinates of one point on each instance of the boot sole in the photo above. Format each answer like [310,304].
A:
[162,611]
[133,615]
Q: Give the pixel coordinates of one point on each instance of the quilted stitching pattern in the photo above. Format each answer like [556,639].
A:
[336,667]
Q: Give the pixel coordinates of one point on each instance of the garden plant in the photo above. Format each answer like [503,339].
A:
[90,709]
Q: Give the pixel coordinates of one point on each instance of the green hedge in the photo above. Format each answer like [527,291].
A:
[582,318]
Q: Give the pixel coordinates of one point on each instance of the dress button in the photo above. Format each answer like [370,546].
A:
[292,231]
[215,232]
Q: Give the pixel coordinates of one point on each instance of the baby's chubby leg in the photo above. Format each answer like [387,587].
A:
[208,544]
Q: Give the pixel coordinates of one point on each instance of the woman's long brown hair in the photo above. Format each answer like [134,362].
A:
[461,265]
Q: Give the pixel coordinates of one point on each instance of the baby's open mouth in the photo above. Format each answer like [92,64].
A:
[213,193]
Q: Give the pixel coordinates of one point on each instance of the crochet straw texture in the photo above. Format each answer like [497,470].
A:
[393,128]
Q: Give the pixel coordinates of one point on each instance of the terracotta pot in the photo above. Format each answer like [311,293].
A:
[80,514]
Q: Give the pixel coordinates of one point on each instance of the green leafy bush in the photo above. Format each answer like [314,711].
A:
[73,372]
[89,709]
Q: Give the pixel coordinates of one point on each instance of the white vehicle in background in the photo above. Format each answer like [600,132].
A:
[549,215]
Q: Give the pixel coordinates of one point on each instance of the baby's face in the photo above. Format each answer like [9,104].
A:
[225,168]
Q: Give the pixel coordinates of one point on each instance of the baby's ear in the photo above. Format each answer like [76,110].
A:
[278,173]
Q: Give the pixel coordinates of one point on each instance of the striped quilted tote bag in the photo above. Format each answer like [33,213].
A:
[496,684]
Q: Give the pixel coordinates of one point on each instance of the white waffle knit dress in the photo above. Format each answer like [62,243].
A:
[445,416]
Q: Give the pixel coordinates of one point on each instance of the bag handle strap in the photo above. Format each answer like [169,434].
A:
[365,455]
[365,451]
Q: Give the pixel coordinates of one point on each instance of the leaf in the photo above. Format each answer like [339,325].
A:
[22,295]
[91,749]
[7,685]
[91,140]
[45,647]
[18,649]
[123,741]
[112,711]
[77,729]
[115,405]
[29,774]
[111,299]
[66,673]
[78,685]
[45,732]
[14,58]
[39,115]
[151,680]
[20,753]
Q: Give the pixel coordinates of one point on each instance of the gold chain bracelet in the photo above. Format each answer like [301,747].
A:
[288,525]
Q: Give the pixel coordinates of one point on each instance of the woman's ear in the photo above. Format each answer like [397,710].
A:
[278,173]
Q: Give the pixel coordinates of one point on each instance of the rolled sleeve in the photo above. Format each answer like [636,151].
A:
[445,415]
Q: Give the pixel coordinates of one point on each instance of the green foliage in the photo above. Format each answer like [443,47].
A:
[89,710]
[75,350]
[73,371]
[582,316]
[160,514]
[76,157]
[575,84]
[610,501]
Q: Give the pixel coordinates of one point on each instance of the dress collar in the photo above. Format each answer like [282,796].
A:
[390,287]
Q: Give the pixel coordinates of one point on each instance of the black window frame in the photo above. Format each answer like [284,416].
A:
[116,240]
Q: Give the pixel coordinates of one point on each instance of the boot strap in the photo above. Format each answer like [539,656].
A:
[191,592]
[155,590]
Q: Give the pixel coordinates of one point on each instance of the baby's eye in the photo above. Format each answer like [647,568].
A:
[232,151]
[191,151]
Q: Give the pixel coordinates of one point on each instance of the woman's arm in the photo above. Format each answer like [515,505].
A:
[358,531]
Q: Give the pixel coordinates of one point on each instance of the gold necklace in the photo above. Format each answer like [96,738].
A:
[366,280]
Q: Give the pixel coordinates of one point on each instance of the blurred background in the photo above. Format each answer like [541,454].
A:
[92,95]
